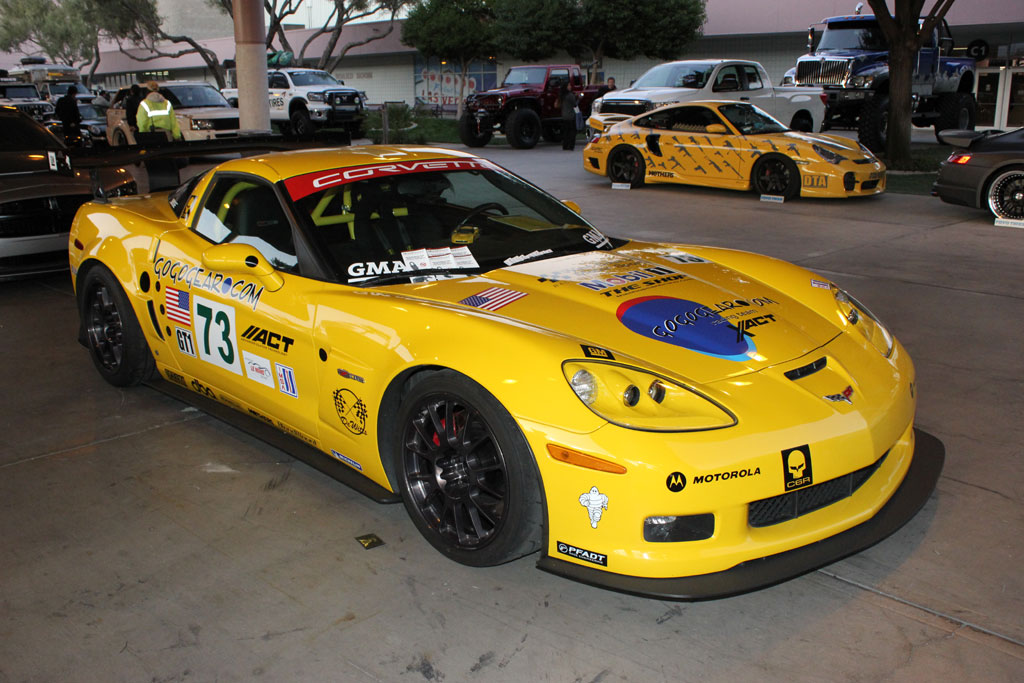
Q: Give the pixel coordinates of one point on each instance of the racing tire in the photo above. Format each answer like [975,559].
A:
[523,128]
[469,133]
[465,472]
[112,332]
[302,125]
[873,125]
[956,111]
[626,165]
[120,140]
[1005,193]
[776,175]
[802,122]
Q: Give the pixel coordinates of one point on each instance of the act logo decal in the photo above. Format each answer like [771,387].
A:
[351,411]
[676,482]
[596,503]
[686,324]
[581,554]
[796,467]
[268,339]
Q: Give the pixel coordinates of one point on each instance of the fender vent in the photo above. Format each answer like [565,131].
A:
[809,369]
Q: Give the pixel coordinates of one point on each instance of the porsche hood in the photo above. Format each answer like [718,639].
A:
[672,309]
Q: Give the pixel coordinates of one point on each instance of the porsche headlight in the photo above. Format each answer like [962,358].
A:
[595,107]
[315,96]
[828,155]
[638,399]
[857,316]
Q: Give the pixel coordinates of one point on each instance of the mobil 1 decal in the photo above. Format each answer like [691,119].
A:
[688,324]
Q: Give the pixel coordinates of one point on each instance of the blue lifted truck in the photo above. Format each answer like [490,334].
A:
[851,64]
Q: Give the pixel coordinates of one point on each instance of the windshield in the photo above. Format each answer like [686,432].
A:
[693,75]
[188,96]
[749,120]
[88,111]
[446,216]
[313,78]
[852,35]
[19,92]
[61,89]
[526,74]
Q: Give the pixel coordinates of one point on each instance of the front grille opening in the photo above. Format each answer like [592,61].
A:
[869,185]
[849,181]
[674,529]
[778,509]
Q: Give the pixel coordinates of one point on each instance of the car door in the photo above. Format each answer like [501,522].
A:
[234,303]
[756,89]
[728,83]
[277,84]
[693,143]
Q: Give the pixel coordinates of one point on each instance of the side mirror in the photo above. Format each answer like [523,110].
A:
[810,39]
[716,129]
[243,259]
[573,206]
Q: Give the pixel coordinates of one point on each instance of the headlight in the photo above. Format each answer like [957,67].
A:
[95,130]
[827,154]
[202,124]
[315,96]
[637,399]
[862,81]
[866,150]
[595,107]
[856,315]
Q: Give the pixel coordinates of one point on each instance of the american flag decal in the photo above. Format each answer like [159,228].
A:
[492,299]
[178,306]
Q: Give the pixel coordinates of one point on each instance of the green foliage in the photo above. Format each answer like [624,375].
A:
[461,30]
[64,31]
[533,30]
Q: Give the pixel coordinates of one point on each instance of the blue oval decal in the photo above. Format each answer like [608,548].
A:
[687,324]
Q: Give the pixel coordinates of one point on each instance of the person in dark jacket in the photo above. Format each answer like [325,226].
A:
[131,105]
[568,100]
[70,117]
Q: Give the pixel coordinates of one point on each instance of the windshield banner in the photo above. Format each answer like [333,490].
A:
[302,185]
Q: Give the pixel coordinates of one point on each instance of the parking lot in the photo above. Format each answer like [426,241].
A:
[144,540]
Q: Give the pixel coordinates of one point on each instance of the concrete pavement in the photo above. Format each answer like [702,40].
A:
[146,541]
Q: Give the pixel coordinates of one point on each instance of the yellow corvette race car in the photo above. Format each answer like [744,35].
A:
[732,145]
[423,325]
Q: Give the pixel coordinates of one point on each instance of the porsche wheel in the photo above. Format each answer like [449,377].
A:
[625,165]
[776,175]
[465,471]
[1006,194]
[115,341]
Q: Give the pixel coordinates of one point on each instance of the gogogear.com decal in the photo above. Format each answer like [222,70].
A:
[687,324]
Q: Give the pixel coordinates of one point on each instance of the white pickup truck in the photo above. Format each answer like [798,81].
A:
[303,99]
[800,108]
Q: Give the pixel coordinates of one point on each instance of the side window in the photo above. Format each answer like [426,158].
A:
[753,78]
[727,79]
[279,81]
[562,74]
[577,78]
[247,211]
[690,119]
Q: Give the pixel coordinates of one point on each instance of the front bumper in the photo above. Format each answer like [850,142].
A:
[340,114]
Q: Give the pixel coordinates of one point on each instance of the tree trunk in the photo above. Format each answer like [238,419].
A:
[464,65]
[901,66]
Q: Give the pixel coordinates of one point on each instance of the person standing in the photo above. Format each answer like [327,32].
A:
[131,105]
[568,100]
[610,83]
[70,118]
[156,113]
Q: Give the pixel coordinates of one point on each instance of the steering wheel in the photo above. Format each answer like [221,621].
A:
[477,210]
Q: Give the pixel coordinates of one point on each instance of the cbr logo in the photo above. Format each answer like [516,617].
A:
[796,467]
[676,482]
[846,395]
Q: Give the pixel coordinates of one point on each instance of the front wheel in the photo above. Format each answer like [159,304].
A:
[470,132]
[116,343]
[956,111]
[1006,194]
[626,165]
[465,472]
[776,175]
[523,128]
[302,124]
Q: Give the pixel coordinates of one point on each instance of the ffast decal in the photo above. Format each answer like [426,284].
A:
[596,352]
[177,306]
[348,375]
[581,554]
[676,482]
[596,503]
[267,339]
[201,388]
[176,378]
[351,411]
[815,181]
[686,324]
[347,460]
[185,342]
[197,277]
[796,467]
[820,284]
[845,396]
[493,298]
[215,329]
[258,369]
[286,380]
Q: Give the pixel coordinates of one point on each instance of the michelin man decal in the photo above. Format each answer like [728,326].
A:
[595,502]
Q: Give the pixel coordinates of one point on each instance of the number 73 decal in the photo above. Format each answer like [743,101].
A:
[215,329]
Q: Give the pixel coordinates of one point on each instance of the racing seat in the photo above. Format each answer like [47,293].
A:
[375,218]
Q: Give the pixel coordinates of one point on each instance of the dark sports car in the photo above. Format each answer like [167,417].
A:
[985,171]
[39,195]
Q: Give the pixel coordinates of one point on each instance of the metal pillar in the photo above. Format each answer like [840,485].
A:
[251,65]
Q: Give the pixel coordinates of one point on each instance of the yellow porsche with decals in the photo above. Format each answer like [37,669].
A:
[668,420]
[732,145]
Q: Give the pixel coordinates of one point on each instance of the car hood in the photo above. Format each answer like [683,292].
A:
[208,112]
[652,94]
[656,304]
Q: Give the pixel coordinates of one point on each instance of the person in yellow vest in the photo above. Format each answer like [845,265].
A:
[156,113]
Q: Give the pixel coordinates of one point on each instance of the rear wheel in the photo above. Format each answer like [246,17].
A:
[873,125]
[802,122]
[956,111]
[119,138]
[470,132]
[776,175]
[626,165]
[118,349]
[466,473]
[523,128]
[1006,194]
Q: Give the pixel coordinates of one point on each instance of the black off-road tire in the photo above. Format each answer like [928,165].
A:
[468,133]
[774,174]
[956,112]
[551,132]
[302,125]
[115,341]
[626,165]
[873,125]
[523,128]
[466,473]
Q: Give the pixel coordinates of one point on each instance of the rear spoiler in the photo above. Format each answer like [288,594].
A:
[161,160]
[964,138]
[601,122]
